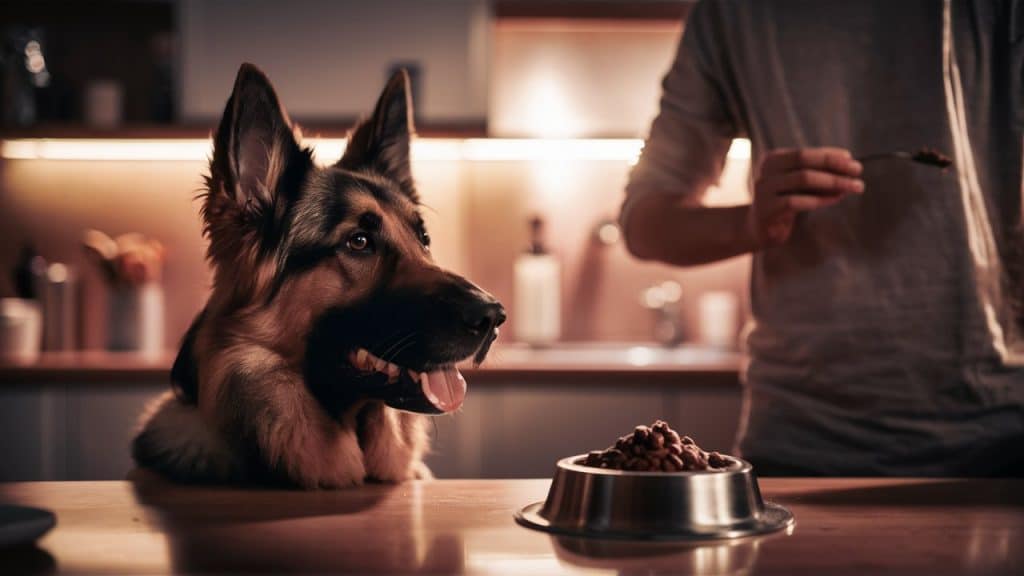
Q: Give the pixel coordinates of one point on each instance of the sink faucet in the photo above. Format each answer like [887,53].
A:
[663,300]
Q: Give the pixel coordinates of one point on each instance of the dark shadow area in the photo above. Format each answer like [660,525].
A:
[217,529]
[926,493]
[192,503]
[27,559]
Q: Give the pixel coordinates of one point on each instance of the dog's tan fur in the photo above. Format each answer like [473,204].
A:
[252,403]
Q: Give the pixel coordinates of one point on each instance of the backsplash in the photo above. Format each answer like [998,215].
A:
[476,209]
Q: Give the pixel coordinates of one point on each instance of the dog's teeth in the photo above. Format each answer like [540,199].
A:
[393,372]
[413,375]
[361,357]
[380,365]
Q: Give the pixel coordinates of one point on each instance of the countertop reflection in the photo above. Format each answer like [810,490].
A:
[844,526]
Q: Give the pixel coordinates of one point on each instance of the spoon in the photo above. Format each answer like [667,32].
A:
[926,156]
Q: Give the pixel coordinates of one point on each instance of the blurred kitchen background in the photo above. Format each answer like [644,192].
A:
[526,111]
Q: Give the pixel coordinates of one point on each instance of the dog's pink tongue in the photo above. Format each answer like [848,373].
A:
[445,388]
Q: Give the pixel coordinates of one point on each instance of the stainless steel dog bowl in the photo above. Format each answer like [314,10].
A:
[596,502]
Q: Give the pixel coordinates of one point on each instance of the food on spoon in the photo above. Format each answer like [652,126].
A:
[656,448]
[932,157]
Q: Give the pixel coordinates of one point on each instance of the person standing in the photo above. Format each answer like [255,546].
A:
[886,327]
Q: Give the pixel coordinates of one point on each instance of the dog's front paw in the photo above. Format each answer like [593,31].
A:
[343,466]
[392,443]
[420,471]
[330,465]
[346,477]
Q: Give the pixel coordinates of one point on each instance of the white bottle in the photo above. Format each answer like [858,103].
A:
[538,293]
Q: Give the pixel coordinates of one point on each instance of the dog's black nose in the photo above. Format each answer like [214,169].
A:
[483,316]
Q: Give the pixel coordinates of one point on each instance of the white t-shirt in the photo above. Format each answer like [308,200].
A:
[886,332]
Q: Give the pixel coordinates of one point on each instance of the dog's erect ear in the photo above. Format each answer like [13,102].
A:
[255,157]
[381,142]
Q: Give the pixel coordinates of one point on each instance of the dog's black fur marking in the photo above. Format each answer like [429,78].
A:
[185,371]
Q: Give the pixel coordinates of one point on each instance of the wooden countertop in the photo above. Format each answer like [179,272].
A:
[577,363]
[843,526]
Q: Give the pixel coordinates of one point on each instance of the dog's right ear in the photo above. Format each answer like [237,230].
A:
[381,142]
[255,158]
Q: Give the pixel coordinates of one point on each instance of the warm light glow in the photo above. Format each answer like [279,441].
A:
[640,356]
[499,149]
[105,149]
[609,233]
[548,109]
[329,149]
[740,149]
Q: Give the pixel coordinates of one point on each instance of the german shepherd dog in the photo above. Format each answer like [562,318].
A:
[329,330]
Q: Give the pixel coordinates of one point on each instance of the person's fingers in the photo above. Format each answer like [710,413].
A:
[785,207]
[837,160]
[806,203]
[810,183]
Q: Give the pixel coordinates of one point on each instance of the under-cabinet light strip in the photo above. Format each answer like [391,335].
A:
[327,149]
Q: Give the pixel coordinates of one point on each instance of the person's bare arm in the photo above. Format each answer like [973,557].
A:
[669,228]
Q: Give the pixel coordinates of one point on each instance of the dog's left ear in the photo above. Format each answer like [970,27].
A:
[381,142]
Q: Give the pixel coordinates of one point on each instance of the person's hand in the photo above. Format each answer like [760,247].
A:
[797,180]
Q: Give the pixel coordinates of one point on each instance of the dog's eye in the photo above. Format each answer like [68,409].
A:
[425,239]
[359,242]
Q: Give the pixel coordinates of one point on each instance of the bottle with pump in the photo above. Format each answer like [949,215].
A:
[538,293]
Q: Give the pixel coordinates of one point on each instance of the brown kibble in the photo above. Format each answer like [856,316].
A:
[655,448]
[716,460]
[702,460]
[689,458]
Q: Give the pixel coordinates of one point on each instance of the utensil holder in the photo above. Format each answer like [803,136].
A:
[136,319]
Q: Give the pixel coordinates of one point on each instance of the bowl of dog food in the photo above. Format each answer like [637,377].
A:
[653,484]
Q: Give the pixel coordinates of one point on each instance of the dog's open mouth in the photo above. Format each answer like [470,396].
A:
[442,386]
